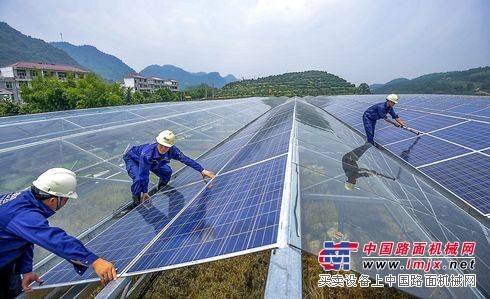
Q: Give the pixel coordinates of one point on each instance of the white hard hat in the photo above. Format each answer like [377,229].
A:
[166,138]
[392,97]
[58,182]
[348,186]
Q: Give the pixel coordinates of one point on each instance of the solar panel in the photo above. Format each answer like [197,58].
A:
[464,108]
[425,149]
[475,135]
[125,239]
[123,242]
[391,134]
[432,122]
[271,140]
[258,151]
[467,176]
[240,212]
[482,112]
[220,156]
[248,219]
[408,115]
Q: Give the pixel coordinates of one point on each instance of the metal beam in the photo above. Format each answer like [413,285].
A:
[114,288]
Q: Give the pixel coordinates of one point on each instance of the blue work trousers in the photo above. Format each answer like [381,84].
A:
[369,127]
[164,172]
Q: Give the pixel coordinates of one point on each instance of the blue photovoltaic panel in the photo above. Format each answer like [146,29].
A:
[258,151]
[408,115]
[125,239]
[482,112]
[391,134]
[475,135]
[464,108]
[476,117]
[432,122]
[269,141]
[487,151]
[240,212]
[425,149]
[352,117]
[467,176]
[220,156]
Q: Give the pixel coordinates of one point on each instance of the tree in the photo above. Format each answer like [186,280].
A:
[363,89]
[163,95]
[51,94]
[46,94]
[200,91]
[8,108]
[92,92]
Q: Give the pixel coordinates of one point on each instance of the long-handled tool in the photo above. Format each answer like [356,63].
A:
[403,127]
[383,175]
[373,172]
[411,130]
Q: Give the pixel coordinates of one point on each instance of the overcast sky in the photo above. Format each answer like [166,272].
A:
[370,41]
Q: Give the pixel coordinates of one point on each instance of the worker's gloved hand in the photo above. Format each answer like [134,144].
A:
[28,278]
[145,197]
[397,125]
[206,173]
[105,270]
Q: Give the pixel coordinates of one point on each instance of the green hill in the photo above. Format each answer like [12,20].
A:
[309,83]
[471,82]
[105,65]
[15,46]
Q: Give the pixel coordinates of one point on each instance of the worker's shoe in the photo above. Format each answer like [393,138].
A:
[162,184]
[136,201]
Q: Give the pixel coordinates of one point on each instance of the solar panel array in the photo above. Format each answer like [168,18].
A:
[453,149]
[191,222]
[92,142]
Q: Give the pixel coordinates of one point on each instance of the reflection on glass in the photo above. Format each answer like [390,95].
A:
[157,218]
[352,169]
[308,116]
[405,155]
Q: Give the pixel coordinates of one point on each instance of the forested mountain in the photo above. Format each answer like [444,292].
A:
[15,46]
[105,65]
[290,84]
[472,81]
[186,79]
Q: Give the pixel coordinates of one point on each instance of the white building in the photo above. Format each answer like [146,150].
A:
[13,76]
[140,83]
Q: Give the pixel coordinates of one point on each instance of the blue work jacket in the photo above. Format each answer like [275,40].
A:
[23,222]
[379,111]
[148,158]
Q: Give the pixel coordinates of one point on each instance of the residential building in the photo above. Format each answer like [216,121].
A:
[151,84]
[14,76]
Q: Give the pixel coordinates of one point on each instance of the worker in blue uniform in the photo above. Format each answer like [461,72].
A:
[154,157]
[380,111]
[23,223]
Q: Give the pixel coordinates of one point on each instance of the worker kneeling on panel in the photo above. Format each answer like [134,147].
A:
[23,223]
[155,156]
